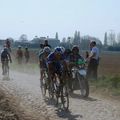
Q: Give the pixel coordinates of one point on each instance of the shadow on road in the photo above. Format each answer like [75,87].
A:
[77,96]
[61,112]
[50,101]
[67,114]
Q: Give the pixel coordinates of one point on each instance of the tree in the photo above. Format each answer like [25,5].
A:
[118,38]
[23,38]
[76,40]
[56,36]
[111,38]
[105,39]
[64,40]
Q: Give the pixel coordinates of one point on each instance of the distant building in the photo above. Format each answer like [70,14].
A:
[53,42]
[2,42]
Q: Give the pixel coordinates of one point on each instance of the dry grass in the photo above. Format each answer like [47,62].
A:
[109,64]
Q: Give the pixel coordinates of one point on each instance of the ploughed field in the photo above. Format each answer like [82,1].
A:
[109,62]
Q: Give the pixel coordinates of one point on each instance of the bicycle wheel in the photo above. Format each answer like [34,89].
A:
[83,85]
[6,69]
[51,90]
[43,87]
[57,92]
[64,97]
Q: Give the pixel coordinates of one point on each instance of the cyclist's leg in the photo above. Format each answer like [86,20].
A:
[42,68]
[7,65]
[51,72]
[41,73]
[2,67]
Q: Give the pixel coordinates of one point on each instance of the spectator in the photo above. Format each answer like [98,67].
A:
[46,44]
[19,55]
[93,61]
[27,55]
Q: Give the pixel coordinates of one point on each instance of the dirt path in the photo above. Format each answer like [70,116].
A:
[26,90]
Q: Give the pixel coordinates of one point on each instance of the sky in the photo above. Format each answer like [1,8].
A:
[46,17]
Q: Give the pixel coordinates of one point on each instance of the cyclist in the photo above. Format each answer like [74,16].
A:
[43,59]
[8,44]
[56,63]
[5,57]
[19,55]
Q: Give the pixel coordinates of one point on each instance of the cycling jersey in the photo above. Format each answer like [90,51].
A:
[43,59]
[58,67]
[52,58]
[74,58]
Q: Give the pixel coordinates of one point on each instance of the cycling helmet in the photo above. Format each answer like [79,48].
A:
[58,50]
[47,49]
[63,49]
[75,48]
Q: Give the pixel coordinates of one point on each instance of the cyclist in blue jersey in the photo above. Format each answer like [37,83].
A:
[56,62]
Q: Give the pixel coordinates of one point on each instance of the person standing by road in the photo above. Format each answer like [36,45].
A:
[27,55]
[19,55]
[93,61]
[46,44]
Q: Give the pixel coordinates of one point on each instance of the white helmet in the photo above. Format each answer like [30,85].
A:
[58,50]
[63,49]
[47,49]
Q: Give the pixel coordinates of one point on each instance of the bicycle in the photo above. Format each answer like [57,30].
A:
[6,68]
[59,90]
[79,74]
[44,83]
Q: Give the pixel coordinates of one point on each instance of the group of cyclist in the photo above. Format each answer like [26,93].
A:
[61,60]
[58,61]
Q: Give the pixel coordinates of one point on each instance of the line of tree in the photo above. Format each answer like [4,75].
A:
[82,41]
[111,41]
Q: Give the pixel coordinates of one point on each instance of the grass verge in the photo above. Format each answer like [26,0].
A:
[109,85]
